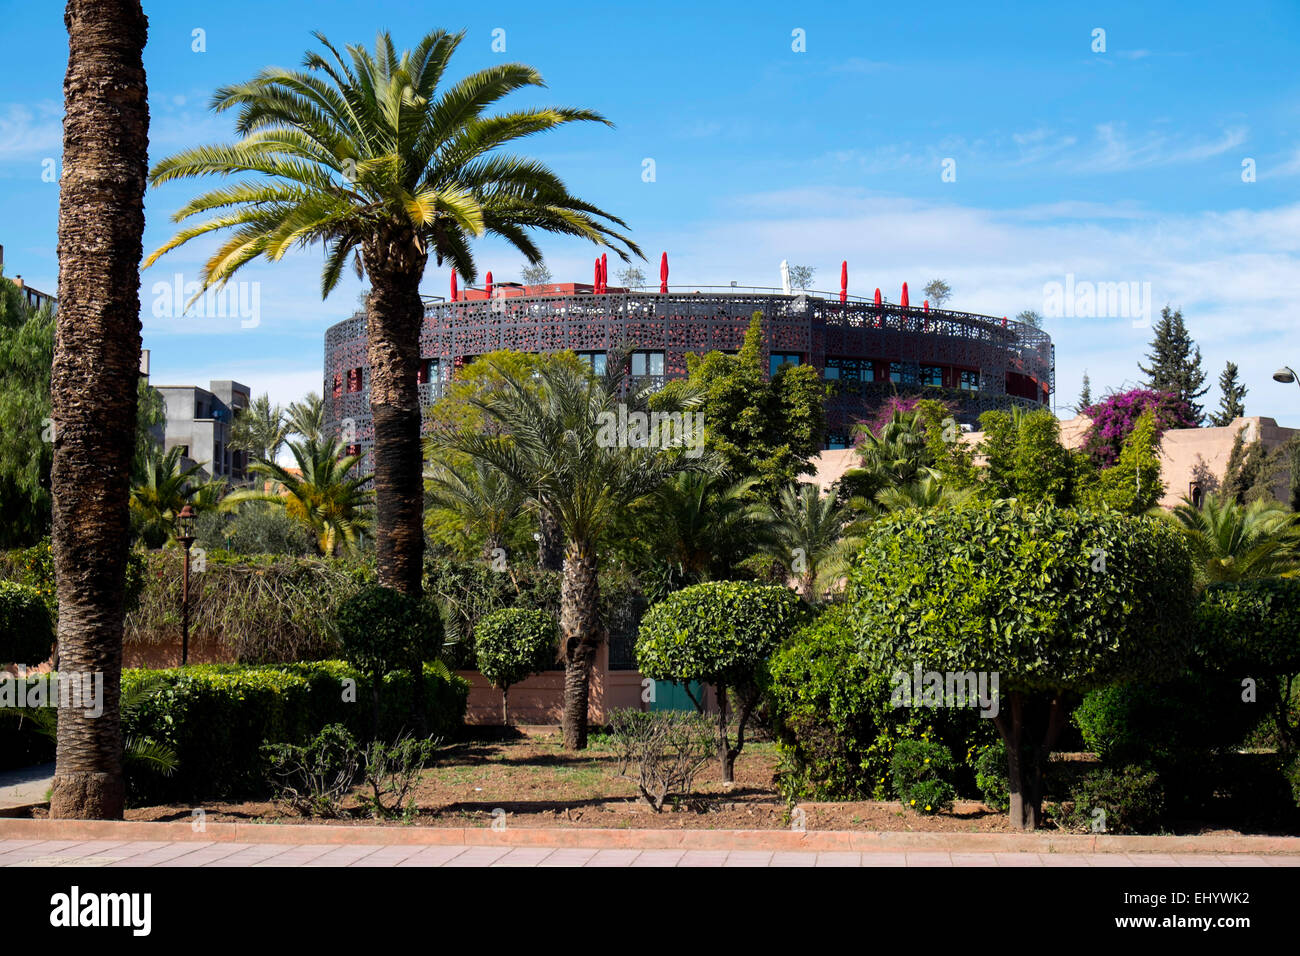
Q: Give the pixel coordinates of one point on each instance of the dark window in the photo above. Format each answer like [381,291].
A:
[596,361]
[970,381]
[931,375]
[354,380]
[779,359]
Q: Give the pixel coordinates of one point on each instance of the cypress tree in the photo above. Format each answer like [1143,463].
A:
[1176,362]
[1231,406]
[1085,394]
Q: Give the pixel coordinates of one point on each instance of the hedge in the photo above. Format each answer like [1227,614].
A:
[216,717]
[26,631]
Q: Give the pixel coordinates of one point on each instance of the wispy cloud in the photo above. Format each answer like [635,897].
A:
[28,132]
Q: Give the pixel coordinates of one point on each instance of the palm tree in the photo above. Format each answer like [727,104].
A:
[701,524]
[372,157]
[554,445]
[101,222]
[477,496]
[929,492]
[156,501]
[898,455]
[307,418]
[810,532]
[259,429]
[1233,542]
[323,497]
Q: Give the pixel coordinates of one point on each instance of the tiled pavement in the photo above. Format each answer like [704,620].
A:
[71,853]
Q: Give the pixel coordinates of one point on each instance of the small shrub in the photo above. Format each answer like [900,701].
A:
[512,644]
[922,772]
[26,631]
[313,778]
[392,771]
[1131,800]
[991,777]
[664,750]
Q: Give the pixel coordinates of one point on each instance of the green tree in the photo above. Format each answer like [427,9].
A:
[719,633]
[1230,541]
[1053,601]
[1085,394]
[1133,484]
[26,439]
[537,274]
[900,454]
[513,644]
[1031,318]
[259,429]
[373,156]
[1024,457]
[805,531]
[156,501]
[306,418]
[1231,406]
[1175,362]
[938,292]
[476,501]
[552,440]
[1252,470]
[760,427]
[325,496]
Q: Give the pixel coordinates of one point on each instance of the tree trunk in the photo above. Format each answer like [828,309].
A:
[580,636]
[394,317]
[505,705]
[1025,763]
[725,757]
[93,383]
[550,542]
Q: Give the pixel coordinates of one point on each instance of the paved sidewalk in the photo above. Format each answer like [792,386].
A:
[69,853]
[25,787]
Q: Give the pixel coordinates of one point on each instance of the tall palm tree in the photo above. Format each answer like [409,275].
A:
[479,497]
[307,418]
[260,429]
[156,501]
[372,156]
[325,496]
[1233,542]
[101,224]
[811,533]
[554,445]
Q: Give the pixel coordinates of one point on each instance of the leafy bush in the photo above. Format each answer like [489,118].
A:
[1116,415]
[255,529]
[1131,799]
[467,592]
[834,721]
[313,778]
[217,716]
[721,633]
[382,629]
[392,771]
[666,749]
[922,773]
[513,644]
[26,632]
[991,776]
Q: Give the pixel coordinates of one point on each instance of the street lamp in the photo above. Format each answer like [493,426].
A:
[1284,375]
[185,525]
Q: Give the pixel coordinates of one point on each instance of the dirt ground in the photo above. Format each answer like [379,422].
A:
[538,784]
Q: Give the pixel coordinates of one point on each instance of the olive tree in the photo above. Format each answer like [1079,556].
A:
[512,644]
[1052,601]
[720,633]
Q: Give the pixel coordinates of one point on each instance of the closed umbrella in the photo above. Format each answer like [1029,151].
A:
[663,273]
[454,293]
[489,285]
[604,272]
[844,281]
[785,277]
[877,297]
[904,302]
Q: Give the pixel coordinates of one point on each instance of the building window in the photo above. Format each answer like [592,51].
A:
[429,371]
[779,359]
[837,440]
[598,362]
[969,381]
[354,449]
[647,363]
[354,380]
[338,385]
[896,372]
[931,375]
[850,370]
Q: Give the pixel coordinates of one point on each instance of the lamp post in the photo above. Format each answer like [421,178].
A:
[1285,375]
[185,524]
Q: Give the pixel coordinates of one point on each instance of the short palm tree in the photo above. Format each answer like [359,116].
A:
[325,496]
[926,493]
[371,155]
[701,523]
[1232,541]
[811,533]
[898,455]
[477,496]
[259,429]
[553,444]
[166,489]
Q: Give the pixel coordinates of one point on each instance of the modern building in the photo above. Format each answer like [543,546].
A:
[199,420]
[35,298]
[867,350]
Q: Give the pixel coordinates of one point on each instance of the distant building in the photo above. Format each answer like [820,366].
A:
[35,298]
[199,419]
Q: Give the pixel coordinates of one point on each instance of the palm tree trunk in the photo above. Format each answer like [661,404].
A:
[580,632]
[394,316]
[94,383]
[550,542]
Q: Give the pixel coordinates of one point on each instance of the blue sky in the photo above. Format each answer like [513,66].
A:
[1122,166]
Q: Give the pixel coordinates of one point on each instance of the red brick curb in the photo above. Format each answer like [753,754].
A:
[768,840]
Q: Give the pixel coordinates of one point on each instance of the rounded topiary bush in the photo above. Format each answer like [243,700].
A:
[381,630]
[512,644]
[26,632]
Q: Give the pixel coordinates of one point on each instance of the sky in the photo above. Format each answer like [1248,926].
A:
[1018,153]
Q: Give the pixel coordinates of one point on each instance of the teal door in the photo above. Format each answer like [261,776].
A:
[670,695]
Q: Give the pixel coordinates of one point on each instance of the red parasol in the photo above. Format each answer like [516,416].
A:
[604,272]
[904,303]
[595,280]
[454,294]
[844,281]
[663,273]
[926,304]
[489,285]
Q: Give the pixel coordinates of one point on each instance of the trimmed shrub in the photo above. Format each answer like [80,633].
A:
[26,631]
[1131,799]
[313,778]
[922,772]
[466,592]
[513,644]
[720,633]
[666,749]
[217,716]
[991,776]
